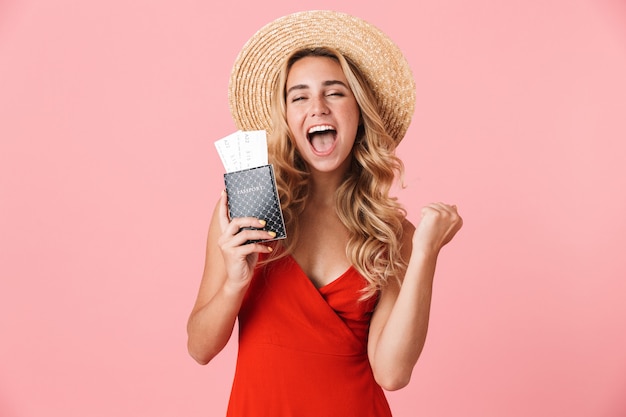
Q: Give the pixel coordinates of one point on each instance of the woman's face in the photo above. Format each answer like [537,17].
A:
[322,113]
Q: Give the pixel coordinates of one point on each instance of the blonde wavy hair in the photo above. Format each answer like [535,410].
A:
[373,219]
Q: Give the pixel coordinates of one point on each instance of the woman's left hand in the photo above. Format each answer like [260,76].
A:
[438,225]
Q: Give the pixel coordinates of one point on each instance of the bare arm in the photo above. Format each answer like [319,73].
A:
[400,322]
[228,269]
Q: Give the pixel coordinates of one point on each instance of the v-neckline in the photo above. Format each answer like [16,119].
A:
[328,284]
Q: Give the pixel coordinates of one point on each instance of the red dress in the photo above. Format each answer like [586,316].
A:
[303,350]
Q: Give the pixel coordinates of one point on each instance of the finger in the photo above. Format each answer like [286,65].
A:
[224,220]
[242,230]
[243,246]
[432,208]
[254,235]
[248,247]
[239,223]
[261,248]
[443,206]
[439,211]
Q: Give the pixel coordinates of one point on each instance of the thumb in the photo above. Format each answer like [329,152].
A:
[223,215]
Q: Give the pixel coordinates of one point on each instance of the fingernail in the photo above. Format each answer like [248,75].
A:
[272,234]
[263,222]
[269,248]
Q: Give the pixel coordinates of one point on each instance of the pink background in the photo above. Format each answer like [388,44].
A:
[108,175]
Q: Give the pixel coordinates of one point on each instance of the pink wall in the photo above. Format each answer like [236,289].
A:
[108,111]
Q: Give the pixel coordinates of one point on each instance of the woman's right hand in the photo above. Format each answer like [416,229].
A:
[240,258]
[225,280]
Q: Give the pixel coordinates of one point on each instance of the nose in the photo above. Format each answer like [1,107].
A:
[318,107]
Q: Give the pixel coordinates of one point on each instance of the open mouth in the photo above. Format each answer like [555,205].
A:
[322,138]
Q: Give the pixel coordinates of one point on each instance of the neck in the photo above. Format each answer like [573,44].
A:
[323,187]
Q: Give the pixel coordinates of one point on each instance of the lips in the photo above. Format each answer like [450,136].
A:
[322,139]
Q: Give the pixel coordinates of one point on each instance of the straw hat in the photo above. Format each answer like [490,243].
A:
[256,68]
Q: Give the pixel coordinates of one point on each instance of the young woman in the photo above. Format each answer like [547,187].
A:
[339,310]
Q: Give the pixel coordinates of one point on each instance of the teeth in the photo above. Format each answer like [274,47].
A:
[321,128]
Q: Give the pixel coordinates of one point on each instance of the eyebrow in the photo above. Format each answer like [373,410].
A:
[325,84]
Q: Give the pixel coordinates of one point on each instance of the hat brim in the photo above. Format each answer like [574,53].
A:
[380,60]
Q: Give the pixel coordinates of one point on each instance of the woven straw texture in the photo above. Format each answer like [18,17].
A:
[256,68]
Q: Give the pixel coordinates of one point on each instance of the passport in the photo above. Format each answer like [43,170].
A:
[252,193]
